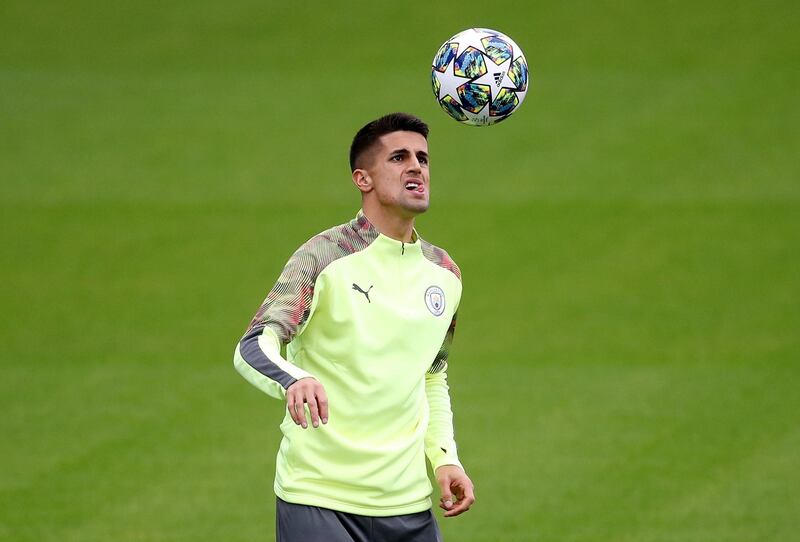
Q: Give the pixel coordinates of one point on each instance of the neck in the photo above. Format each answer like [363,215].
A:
[399,228]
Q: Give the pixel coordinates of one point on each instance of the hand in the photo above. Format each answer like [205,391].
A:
[307,391]
[453,481]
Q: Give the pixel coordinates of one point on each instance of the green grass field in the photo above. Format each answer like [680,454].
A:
[627,363]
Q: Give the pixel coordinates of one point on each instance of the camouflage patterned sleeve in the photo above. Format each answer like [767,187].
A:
[280,317]
[287,306]
[440,361]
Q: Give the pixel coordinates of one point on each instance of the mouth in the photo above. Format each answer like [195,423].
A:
[415,186]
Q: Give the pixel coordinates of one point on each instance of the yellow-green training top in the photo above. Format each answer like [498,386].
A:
[372,319]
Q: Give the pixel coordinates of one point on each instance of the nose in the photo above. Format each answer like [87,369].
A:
[414,165]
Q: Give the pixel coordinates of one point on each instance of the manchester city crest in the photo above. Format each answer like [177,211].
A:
[434,299]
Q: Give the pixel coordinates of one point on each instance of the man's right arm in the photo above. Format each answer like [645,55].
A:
[258,359]
[280,318]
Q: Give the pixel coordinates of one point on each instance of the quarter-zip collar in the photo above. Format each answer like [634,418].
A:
[370,233]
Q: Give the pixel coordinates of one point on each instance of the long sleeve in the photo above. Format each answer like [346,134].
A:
[280,318]
[440,444]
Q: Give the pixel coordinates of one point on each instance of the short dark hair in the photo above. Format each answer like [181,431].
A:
[367,136]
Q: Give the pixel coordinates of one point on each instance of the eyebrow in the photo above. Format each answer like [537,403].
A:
[406,151]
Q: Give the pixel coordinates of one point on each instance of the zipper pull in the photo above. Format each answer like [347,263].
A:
[402,248]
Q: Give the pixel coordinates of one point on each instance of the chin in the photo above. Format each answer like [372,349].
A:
[418,208]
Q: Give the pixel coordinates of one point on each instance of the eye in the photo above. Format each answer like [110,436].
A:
[423,160]
[396,158]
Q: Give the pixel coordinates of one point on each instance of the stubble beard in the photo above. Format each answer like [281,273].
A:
[415,207]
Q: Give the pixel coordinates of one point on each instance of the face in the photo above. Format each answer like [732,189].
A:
[396,173]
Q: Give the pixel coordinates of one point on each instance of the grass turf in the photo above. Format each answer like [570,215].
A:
[627,357]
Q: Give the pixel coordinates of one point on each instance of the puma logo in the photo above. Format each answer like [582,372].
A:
[357,288]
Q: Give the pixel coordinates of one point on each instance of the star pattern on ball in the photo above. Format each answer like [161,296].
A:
[496,76]
[472,39]
[449,81]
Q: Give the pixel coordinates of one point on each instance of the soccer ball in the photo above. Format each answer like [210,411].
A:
[479,76]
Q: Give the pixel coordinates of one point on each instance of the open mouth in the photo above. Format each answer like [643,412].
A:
[415,186]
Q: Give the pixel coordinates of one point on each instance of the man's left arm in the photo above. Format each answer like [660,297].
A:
[440,445]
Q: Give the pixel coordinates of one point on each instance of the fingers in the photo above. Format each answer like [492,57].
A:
[465,495]
[446,501]
[307,391]
[322,401]
[294,403]
[313,409]
[461,506]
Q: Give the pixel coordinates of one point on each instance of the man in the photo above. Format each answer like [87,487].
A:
[367,311]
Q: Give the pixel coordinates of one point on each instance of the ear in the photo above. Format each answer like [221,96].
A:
[362,180]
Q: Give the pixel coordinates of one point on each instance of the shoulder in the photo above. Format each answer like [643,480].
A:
[336,242]
[440,257]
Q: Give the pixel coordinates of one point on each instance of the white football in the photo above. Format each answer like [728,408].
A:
[479,76]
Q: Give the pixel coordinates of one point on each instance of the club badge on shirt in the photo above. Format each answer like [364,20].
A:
[434,300]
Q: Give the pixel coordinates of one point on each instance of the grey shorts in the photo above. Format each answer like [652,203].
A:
[302,523]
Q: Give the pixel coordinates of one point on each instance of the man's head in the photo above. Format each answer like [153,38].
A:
[368,136]
[389,164]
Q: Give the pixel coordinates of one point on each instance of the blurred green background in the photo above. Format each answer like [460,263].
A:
[628,355]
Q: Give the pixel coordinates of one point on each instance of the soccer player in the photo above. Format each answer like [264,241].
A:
[367,311]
